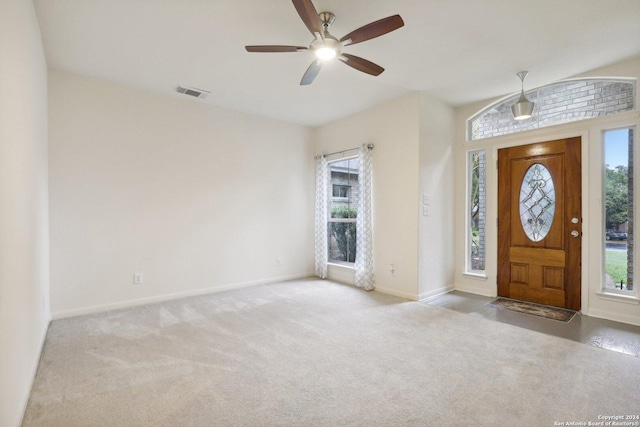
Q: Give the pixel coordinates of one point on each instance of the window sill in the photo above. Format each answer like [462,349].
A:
[628,299]
[475,276]
[345,266]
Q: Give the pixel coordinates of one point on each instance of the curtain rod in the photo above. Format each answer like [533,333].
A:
[369,146]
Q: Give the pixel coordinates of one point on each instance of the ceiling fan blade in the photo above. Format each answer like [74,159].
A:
[309,16]
[311,73]
[275,48]
[361,64]
[373,30]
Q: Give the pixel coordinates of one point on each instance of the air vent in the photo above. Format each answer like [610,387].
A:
[192,91]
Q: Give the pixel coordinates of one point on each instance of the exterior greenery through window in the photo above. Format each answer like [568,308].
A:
[619,208]
[343,210]
[477,205]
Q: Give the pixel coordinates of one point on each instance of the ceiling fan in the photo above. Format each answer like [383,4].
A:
[326,47]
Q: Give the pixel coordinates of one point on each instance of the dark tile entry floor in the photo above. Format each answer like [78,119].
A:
[601,333]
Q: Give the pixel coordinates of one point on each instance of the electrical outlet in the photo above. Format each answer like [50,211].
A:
[392,269]
[278,261]
[137,278]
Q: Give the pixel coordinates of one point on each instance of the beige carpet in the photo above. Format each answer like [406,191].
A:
[314,352]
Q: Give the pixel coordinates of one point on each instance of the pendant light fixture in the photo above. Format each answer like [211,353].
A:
[523,108]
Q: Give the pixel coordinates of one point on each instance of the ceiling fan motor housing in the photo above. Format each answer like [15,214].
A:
[327,19]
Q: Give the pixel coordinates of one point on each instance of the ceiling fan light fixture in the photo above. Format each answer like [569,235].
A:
[523,108]
[326,53]
[327,48]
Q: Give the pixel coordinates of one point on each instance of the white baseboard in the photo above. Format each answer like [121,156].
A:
[396,293]
[166,297]
[36,364]
[478,290]
[437,292]
[616,317]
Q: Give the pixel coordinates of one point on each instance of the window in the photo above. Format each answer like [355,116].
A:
[537,202]
[341,191]
[476,212]
[619,211]
[343,209]
[562,102]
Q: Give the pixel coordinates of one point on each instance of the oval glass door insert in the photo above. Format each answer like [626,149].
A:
[537,202]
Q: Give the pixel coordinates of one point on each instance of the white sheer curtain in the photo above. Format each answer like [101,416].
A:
[321,216]
[363,276]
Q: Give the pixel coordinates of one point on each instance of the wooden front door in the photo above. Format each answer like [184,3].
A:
[540,223]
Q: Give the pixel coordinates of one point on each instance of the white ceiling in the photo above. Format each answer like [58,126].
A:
[458,50]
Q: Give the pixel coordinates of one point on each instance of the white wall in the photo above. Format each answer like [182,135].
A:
[594,302]
[437,227]
[24,245]
[197,198]
[394,129]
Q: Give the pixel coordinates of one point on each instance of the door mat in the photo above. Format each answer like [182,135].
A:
[555,313]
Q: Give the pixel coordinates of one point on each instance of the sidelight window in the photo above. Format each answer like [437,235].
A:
[476,168]
[619,203]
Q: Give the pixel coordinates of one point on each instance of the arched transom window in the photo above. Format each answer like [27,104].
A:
[557,103]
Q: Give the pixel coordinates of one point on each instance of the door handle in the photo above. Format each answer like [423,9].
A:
[575,233]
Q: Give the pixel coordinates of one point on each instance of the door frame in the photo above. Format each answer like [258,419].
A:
[595,302]
[571,246]
[575,129]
